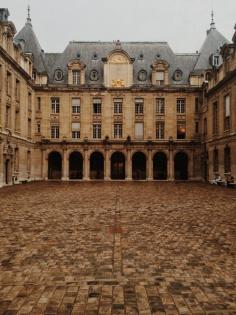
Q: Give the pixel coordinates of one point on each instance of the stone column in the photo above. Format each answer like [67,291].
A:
[128,166]
[86,165]
[65,169]
[107,165]
[150,165]
[171,165]
[191,165]
[44,165]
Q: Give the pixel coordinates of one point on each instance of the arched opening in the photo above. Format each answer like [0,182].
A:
[96,165]
[139,166]
[54,165]
[160,166]
[76,165]
[117,166]
[181,166]
[7,172]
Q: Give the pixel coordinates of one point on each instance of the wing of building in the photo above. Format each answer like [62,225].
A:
[115,110]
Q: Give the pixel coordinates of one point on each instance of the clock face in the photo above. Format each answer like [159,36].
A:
[58,76]
[94,75]
[142,75]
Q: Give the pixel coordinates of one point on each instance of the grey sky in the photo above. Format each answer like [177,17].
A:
[182,23]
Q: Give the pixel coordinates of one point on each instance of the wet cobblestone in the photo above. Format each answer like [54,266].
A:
[117,248]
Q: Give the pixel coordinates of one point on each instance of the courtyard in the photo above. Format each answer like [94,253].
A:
[117,248]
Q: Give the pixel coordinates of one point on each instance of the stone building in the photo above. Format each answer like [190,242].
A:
[115,110]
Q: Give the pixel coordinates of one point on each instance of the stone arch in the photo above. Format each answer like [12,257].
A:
[139,166]
[181,161]
[75,165]
[96,165]
[160,166]
[118,165]
[54,165]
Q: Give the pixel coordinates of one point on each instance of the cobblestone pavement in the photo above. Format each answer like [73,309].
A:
[117,248]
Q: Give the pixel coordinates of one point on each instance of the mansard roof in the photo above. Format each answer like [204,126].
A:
[30,44]
[143,53]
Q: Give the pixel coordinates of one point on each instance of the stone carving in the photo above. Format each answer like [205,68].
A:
[118,83]
[118,59]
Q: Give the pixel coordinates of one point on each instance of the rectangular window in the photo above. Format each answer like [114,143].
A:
[227,159]
[29,101]
[75,127]
[38,127]
[196,127]
[215,160]
[160,77]
[17,120]
[17,90]
[160,129]
[9,83]
[139,130]
[215,118]
[39,104]
[8,117]
[205,127]
[181,129]
[118,105]
[55,105]
[29,127]
[138,106]
[97,131]
[227,112]
[118,131]
[180,106]
[55,132]
[160,106]
[97,106]
[75,106]
[76,77]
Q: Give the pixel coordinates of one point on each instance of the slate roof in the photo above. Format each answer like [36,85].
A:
[150,51]
[213,42]
[30,44]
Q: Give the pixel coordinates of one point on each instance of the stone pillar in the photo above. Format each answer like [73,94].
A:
[191,166]
[128,166]
[107,166]
[171,165]
[65,168]
[44,165]
[86,165]
[150,165]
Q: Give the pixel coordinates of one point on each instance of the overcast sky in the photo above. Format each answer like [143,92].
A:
[182,23]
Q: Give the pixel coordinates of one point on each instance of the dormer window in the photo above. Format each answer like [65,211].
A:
[160,77]
[76,77]
[160,74]
[76,72]
[216,61]
[178,75]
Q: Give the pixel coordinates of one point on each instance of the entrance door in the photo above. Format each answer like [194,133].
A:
[181,166]
[96,165]
[139,166]
[117,166]
[7,170]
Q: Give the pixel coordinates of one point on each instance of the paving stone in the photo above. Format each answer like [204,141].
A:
[117,249]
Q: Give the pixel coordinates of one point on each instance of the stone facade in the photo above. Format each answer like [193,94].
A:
[112,110]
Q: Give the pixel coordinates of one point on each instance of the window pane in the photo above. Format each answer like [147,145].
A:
[139,130]
[160,76]
[75,126]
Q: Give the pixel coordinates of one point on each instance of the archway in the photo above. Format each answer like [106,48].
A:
[7,171]
[96,166]
[160,166]
[54,165]
[76,165]
[181,166]
[139,166]
[117,166]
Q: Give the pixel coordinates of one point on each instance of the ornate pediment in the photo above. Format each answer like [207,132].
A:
[160,65]
[76,64]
